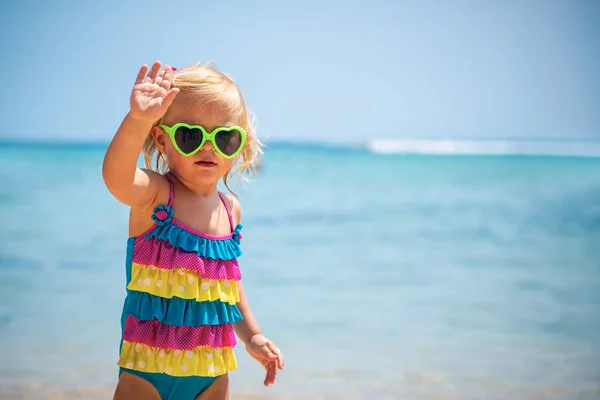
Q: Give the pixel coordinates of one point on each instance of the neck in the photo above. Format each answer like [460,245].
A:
[200,189]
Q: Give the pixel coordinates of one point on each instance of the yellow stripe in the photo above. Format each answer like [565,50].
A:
[200,361]
[181,283]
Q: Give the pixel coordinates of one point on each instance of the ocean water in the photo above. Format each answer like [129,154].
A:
[379,276]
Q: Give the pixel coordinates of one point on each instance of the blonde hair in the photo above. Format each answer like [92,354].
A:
[215,88]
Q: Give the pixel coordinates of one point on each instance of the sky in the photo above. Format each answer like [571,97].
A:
[313,70]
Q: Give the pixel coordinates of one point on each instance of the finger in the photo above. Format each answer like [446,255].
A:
[167,78]
[280,359]
[271,373]
[170,97]
[159,77]
[268,352]
[276,352]
[153,71]
[274,372]
[141,75]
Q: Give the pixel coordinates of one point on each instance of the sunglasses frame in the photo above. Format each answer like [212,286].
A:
[206,136]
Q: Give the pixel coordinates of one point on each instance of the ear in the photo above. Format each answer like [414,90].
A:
[160,138]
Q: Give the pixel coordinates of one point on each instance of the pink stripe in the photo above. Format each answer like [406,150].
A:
[229,215]
[162,255]
[155,334]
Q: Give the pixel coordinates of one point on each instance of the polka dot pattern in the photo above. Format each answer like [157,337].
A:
[181,283]
[199,361]
[155,334]
[161,254]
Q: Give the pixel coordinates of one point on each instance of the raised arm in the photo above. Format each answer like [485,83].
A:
[150,98]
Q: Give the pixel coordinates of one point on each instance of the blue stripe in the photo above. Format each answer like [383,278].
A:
[227,249]
[180,312]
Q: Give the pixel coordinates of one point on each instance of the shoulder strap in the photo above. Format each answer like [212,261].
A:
[224,201]
[171,191]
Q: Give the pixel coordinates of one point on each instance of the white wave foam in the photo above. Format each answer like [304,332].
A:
[485,147]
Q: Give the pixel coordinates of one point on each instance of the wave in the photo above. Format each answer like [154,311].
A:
[566,148]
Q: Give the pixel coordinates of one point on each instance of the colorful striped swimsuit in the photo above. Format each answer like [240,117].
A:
[181,303]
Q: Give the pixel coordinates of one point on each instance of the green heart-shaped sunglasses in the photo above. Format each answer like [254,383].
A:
[188,139]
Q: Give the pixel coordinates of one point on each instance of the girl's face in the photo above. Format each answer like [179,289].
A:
[205,168]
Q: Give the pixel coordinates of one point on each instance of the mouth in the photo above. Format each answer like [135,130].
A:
[205,163]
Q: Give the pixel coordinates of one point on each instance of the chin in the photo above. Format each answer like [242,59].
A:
[199,175]
[205,177]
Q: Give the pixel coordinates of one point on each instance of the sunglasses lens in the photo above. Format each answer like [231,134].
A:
[188,139]
[229,142]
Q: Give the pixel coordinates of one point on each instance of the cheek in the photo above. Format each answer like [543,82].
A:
[174,158]
[227,164]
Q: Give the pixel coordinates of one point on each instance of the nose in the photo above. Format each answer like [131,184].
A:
[208,146]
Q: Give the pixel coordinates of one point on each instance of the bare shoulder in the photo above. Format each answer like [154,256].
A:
[163,188]
[140,216]
[235,207]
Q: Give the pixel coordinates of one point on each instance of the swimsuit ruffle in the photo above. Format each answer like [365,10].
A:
[181,283]
[224,249]
[180,312]
[199,361]
[153,333]
[161,254]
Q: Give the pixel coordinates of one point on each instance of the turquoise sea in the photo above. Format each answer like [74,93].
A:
[380,276]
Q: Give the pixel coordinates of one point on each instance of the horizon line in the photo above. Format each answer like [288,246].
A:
[314,141]
[565,148]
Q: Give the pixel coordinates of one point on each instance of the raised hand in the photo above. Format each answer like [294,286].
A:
[152,94]
[265,352]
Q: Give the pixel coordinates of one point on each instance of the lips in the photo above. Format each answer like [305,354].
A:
[205,163]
